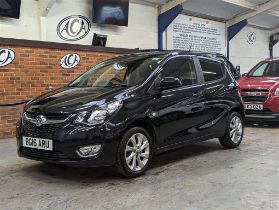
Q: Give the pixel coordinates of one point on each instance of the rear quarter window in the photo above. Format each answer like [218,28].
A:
[212,70]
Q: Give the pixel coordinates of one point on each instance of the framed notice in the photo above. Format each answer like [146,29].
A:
[196,34]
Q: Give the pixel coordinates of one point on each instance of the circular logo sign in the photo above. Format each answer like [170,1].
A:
[73,28]
[70,61]
[6,57]
[251,37]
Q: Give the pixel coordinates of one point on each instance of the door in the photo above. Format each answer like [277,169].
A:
[216,94]
[178,111]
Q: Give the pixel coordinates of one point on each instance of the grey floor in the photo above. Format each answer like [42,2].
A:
[204,176]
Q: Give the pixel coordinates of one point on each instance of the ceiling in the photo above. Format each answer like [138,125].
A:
[227,10]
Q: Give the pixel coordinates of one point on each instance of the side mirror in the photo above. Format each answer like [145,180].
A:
[237,72]
[169,83]
[237,68]
[244,75]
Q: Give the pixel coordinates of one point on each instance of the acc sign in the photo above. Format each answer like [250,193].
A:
[73,28]
[70,61]
[6,56]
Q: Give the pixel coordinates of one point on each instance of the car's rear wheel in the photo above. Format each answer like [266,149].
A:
[234,131]
[134,153]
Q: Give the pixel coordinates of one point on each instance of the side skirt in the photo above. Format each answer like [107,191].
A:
[186,143]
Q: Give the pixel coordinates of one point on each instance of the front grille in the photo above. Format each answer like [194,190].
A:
[55,122]
[255,90]
[43,154]
[254,98]
[265,111]
[46,131]
[49,116]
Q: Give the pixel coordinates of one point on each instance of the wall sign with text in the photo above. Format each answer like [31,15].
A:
[6,57]
[70,61]
[73,28]
[196,34]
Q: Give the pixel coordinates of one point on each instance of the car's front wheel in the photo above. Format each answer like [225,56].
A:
[134,153]
[234,131]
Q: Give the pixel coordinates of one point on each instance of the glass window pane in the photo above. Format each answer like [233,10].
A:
[182,68]
[259,70]
[211,70]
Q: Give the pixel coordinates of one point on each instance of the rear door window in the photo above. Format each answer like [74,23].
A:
[212,70]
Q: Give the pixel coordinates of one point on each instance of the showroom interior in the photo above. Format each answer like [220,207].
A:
[46,48]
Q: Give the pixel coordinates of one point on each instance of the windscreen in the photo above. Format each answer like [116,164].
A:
[265,69]
[119,72]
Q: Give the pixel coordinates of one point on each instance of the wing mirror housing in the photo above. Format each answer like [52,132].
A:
[169,83]
[237,72]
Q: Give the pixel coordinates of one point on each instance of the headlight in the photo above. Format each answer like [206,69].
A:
[276,92]
[98,116]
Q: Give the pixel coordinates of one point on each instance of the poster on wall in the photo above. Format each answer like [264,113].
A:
[196,34]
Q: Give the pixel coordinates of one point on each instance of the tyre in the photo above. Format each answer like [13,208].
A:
[234,131]
[135,152]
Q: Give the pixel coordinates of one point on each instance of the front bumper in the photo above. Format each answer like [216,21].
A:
[65,143]
[269,113]
[262,117]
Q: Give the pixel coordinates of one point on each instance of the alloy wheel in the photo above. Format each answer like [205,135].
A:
[137,152]
[236,129]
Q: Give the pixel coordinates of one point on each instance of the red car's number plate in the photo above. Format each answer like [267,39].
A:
[253,106]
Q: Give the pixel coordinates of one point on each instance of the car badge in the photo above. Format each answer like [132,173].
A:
[40,120]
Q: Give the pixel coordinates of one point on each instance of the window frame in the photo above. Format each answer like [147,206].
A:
[224,72]
[195,65]
[230,64]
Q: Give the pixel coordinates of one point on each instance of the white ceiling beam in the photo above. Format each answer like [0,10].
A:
[243,3]
[143,2]
[46,7]
[261,9]
[273,12]
[171,4]
[252,6]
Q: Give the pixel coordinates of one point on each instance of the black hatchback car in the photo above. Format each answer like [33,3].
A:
[125,110]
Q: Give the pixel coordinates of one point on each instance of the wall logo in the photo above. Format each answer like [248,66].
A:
[251,38]
[6,57]
[70,61]
[73,28]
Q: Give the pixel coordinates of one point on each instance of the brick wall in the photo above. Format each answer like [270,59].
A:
[30,74]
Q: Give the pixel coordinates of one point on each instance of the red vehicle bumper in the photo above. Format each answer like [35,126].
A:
[270,111]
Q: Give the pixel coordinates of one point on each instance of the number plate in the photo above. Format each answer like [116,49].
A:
[253,106]
[36,143]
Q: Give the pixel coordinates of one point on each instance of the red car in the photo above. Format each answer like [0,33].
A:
[260,91]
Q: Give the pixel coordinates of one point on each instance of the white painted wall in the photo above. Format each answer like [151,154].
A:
[248,55]
[141,32]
